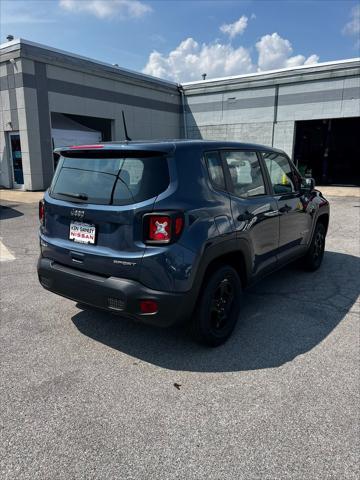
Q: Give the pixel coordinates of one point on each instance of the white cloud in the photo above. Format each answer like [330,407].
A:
[312,59]
[107,8]
[236,28]
[353,26]
[189,60]
[25,18]
[275,52]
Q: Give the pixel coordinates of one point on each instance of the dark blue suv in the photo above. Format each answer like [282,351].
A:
[167,231]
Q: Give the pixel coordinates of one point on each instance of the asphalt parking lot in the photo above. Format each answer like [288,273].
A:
[89,395]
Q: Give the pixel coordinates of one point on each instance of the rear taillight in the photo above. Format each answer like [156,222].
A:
[162,227]
[159,228]
[41,212]
[179,223]
[148,306]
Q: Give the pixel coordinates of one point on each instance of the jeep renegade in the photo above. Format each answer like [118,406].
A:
[173,230]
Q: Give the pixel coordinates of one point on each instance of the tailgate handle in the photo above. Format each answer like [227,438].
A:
[77,257]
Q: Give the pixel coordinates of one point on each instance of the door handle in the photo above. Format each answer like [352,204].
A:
[285,209]
[244,217]
[272,213]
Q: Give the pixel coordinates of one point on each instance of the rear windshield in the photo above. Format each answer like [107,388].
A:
[110,181]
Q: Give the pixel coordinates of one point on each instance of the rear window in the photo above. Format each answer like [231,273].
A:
[110,181]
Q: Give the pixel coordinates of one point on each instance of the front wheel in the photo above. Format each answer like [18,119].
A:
[218,307]
[315,254]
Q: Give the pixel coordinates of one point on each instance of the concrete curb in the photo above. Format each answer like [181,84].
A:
[332,191]
[20,196]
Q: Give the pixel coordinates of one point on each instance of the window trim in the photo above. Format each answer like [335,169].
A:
[215,186]
[228,179]
[296,171]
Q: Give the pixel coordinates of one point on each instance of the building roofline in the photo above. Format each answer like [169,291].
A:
[269,73]
[263,75]
[18,42]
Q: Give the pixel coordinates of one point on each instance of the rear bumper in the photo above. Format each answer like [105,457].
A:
[116,295]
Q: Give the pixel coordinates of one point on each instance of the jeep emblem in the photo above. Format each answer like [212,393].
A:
[77,214]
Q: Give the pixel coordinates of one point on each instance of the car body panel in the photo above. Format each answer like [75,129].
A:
[257,220]
[264,232]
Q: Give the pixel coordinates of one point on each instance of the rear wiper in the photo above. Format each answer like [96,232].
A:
[80,196]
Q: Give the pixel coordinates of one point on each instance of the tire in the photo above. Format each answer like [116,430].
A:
[218,307]
[315,254]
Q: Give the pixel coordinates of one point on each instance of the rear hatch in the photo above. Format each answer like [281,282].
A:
[95,205]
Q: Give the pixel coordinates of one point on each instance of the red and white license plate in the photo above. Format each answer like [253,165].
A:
[82,232]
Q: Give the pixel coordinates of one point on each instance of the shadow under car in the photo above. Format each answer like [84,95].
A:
[285,315]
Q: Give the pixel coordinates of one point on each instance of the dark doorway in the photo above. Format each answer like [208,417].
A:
[69,129]
[329,150]
[16,157]
[102,125]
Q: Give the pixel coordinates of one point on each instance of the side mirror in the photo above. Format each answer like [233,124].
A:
[308,184]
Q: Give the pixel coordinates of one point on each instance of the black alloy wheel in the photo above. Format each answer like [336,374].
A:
[218,307]
[316,250]
[221,303]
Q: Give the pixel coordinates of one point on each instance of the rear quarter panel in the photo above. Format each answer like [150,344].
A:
[208,224]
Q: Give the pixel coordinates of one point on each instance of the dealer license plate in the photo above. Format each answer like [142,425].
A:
[82,232]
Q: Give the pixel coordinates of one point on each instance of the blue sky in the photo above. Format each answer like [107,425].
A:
[180,40]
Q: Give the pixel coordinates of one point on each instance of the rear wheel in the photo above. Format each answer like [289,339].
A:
[315,254]
[218,307]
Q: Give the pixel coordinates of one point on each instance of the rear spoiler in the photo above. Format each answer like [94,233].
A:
[115,150]
[83,151]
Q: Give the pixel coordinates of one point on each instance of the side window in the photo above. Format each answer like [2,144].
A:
[245,173]
[215,169]
[281,174]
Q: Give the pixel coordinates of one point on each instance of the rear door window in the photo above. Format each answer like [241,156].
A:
[245,173]
[106,181]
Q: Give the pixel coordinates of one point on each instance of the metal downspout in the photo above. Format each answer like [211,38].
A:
[183,111]
[276,103]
